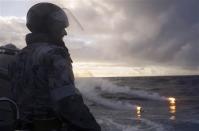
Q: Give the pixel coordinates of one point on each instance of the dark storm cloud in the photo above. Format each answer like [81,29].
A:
[177,38]
[152,32]
[136,32]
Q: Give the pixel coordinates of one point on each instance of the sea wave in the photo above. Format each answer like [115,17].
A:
[109,124]
[94,88]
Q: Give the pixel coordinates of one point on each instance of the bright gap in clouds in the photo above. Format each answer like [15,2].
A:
[97,69]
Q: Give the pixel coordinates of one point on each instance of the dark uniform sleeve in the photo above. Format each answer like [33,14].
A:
[69,102]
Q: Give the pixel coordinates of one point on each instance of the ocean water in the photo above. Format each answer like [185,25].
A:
[114,101]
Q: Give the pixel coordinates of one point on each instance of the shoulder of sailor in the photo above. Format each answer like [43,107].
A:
[51,52]
[42,52]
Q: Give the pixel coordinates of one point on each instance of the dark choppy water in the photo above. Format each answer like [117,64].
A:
[113,102]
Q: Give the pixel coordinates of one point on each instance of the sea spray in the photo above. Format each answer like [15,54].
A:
[92,88]
[104,86]
[88,88]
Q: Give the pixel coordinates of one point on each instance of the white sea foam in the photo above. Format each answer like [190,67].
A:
[92,87]
[87,88]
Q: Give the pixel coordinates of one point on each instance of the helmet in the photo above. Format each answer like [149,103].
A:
[42,16]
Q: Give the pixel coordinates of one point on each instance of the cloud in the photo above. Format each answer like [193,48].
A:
[143,32]
[12,31]
[137,33]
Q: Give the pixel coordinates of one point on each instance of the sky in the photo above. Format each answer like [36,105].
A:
[120,37]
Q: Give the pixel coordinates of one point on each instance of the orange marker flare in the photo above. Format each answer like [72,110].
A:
[172,100]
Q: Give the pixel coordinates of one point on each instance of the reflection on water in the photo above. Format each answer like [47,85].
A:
[172,107]
[138,109]
[172,118]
